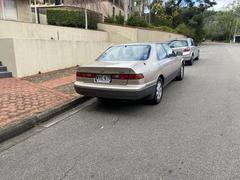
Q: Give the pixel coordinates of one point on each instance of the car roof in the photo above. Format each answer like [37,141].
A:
[140,43]
[181,39]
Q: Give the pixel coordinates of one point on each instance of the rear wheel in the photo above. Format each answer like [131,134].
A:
[191,61]
[158,92]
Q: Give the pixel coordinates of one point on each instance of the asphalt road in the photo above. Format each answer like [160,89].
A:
[193,134]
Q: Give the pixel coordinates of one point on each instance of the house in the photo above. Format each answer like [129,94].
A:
[17,10]
[104,7]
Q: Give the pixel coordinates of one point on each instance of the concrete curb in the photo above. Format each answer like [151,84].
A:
[25,124]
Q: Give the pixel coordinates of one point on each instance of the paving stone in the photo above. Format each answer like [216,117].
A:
[20,97]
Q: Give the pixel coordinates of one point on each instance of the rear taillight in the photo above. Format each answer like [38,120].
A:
[85,75]
[127,76]
[186,50]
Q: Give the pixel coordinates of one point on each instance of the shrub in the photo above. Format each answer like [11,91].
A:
[119,19]
[151,26]
[186,30]
[136,21]
[109,19]
[115,20]
[162,21]
[72,18]
[166,28]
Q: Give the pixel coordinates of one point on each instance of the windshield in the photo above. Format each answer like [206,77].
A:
[126,53]
[179,43]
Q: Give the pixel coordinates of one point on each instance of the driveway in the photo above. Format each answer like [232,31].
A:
[193,134]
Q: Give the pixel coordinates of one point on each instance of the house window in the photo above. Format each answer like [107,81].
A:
[9,9]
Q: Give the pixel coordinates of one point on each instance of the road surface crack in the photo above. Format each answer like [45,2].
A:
[69,170]
[116,121]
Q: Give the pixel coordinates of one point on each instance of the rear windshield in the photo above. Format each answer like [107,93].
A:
[179,43]
[126,53]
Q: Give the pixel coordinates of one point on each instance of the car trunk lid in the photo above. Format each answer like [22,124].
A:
[178,50]
[109,68]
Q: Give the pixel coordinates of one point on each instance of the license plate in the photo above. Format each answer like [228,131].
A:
[103,79]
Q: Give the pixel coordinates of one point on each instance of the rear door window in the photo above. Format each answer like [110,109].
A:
[169,50]
[161,53]
[192,43]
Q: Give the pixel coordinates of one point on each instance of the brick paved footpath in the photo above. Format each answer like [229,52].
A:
[59,82]
[21,98]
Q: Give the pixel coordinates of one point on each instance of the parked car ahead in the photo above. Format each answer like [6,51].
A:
[187,47]
[130,71]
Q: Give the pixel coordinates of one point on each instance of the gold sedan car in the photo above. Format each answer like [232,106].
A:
[130,72]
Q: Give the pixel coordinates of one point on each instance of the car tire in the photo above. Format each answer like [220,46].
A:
[157,93]
[197,58]
[180,76]
[191,61]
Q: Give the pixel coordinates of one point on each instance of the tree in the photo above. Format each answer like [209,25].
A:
[222,25]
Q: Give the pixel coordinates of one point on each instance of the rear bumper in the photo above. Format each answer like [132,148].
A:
[128,93]
[187,57]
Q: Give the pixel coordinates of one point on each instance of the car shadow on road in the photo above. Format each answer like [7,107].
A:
[116,105]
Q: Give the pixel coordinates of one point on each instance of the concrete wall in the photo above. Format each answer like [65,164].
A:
[7,54]
[10,29]
[46,55]
[153,36]
[27,49]
[121,34]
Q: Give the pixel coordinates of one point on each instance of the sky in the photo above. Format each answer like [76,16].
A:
[221,4]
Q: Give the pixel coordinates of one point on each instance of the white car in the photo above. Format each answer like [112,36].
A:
[187,47]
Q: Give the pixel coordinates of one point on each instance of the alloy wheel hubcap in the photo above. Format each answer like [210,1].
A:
[159,90]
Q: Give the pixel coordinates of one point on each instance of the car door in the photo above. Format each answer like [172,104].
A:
[193,48]
[163,62]
[174,61]
[196,49]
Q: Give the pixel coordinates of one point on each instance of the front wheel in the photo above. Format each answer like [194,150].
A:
[181,73]
[158,92]
[197,58]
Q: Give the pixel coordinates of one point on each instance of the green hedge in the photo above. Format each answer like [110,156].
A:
[114,19]
[119,19]
[166,29]
[109,19]
[136,21]
[72,18]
